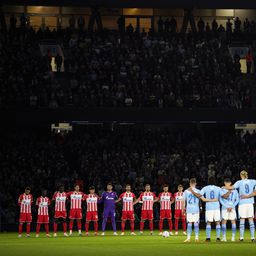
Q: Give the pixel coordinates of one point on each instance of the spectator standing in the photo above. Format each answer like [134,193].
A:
[81,22]
[58,62]
[121,24]
[13,22]
[200,25]
[160,24]
[249,60]
[72,22]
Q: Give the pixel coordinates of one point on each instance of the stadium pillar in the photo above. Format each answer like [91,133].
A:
[95,17]
[138,24]
[152,24]
[2,18]
[188,18]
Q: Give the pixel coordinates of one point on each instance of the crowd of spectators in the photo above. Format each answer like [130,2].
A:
[136,154]
[128,69]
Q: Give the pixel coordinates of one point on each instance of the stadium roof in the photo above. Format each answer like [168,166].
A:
[206,4]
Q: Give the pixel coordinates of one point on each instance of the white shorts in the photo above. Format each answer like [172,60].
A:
[228,215]
[193,217]
[212,215]
[246,211]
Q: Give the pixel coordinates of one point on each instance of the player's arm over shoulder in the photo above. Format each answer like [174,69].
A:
[196,193]
[236,185]
[206,200]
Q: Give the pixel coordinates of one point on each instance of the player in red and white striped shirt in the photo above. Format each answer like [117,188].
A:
[25,201]
[165,198]
[148,199]
[179,213]
[60,214]
[128,212]
[92,210]
[43,216]
[76,198]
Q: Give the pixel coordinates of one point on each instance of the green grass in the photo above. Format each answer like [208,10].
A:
[128,245]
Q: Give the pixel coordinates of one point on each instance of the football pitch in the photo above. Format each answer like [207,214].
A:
[128,245]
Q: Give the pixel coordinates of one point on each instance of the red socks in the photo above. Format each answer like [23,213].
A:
[71,223]
[55,227]
[27,228]
[86,227]
[170,225]
[141,225]
[20,228]
[95,223]
[64,227]
[79,225]
[95,226]
[132,225]
[46,226]
[176,225]
[123,226]
[161,225]
[184,225]
[38,226]
[151,225]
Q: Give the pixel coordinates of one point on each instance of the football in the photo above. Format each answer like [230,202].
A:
[166,234]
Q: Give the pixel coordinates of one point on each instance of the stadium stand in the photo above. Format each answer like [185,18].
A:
[136,154]
[160,69]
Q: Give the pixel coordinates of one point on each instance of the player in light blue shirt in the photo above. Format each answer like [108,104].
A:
[229,200]
[245,188]
[192,209]
[212,211]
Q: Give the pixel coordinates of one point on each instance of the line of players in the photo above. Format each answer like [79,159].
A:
[109,198]
[188,206]
[229,196]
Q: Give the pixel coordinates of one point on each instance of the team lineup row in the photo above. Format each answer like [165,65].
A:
[220,207]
